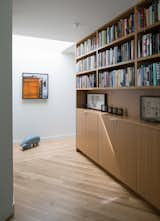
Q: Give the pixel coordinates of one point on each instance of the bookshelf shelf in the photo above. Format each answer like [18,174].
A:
[143,59]
[118,41]
[148,28]
[86,55]
[86,72]
[120,89]
[87,89]
[148,88]
[125,63]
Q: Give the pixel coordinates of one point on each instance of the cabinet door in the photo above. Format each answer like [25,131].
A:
[107,155]
[148,168]
[123,137]
[92,135]
[81,130]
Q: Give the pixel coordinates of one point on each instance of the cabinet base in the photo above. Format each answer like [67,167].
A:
[122,184]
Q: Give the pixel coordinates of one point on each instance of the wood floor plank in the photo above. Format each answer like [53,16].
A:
[55,183]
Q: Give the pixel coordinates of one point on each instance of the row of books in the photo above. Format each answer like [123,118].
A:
[86,81]
[149,75]
[117,78]
[120,53]
[149,15]
[149,44]
[87,46]
[118,30]
[86,64]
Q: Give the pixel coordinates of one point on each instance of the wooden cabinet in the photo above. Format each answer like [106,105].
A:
[81,142]
[148,165]
[92,135]
[106,147]
[128,149]
[124,146]
[87,133]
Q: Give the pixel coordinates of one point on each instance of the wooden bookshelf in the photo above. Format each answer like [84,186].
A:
[128,129]
[86,72]
[120,88]
[118,41]
[131,36]
[125,63]
[86,55]
[147,58]
[148,28]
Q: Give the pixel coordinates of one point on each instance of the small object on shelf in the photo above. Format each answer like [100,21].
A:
[125,112]
[120,112]
[150,108]
[114,110]
[29,142]
[104,108]
[110,109]
[95,101]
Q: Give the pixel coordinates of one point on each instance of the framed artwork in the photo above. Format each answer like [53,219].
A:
[150,108]
[34,86]
[95,101]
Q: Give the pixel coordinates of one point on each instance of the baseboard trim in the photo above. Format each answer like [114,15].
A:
[57,137]
[12,214]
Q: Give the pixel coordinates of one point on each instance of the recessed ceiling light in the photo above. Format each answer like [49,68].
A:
[76,24]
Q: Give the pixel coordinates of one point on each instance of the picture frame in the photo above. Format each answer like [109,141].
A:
[35,86]
[150,108]
[95,101]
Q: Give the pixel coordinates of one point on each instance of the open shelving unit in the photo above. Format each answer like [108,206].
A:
[126,146]
[137,33]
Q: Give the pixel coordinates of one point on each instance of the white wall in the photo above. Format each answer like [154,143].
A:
[56,116]
[6,165]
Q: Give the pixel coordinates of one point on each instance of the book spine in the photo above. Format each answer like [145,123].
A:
[154,75]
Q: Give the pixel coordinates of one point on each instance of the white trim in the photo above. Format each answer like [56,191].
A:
[57,137]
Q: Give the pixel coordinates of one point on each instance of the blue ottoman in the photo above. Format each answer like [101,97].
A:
[29,142]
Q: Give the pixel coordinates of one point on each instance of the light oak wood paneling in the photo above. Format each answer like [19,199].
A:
[125,148]
[91,119]
[128,149]
[149,165]
[106,148]
[81,142]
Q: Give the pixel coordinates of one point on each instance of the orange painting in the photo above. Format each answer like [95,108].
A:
[31,88]
[35,86]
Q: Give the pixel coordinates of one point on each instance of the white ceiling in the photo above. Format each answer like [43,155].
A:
[55,18]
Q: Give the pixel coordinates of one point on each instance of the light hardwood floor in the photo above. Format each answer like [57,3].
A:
[55,183]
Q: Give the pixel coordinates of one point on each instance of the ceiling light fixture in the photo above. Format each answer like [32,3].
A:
[76,25]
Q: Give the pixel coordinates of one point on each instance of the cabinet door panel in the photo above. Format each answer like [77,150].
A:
[107,156]
[80,130]
[148,168]
[92,135]
[122,134]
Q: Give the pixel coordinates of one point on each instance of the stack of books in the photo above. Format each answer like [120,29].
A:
[86,81]
[118,30]
[117,78]
[86,46]
[86,64]
[150,15]
[149,75]
[120,53]
[149,44]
